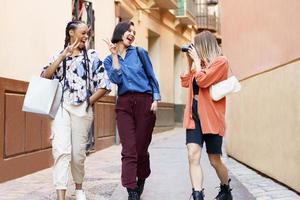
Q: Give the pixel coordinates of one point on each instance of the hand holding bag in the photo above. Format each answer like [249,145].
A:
[43,96]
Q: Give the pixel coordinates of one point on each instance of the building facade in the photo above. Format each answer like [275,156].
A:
[34,30]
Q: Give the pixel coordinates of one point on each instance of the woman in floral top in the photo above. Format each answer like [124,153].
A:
[84,81]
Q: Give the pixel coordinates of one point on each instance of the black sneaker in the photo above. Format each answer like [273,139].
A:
[133,194]
[225,192]
[140,185]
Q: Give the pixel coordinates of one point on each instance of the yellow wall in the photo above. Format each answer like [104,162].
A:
[31,31]
[104,24]
[34,30]
[180,63]
[263,124]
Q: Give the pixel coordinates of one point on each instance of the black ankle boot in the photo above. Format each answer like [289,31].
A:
[225,192]
[198,195]
[133,194]
[140,184]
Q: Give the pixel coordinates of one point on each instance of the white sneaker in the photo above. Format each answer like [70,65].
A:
[80,195]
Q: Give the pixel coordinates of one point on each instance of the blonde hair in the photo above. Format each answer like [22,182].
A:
[207,46]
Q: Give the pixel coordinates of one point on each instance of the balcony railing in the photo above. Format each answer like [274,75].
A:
[207,20]
[186,11]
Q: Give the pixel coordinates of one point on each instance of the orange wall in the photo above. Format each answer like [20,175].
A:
[260,34]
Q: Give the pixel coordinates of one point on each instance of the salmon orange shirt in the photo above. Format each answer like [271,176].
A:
[211,113]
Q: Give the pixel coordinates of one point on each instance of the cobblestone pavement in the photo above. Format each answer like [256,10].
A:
[169,178]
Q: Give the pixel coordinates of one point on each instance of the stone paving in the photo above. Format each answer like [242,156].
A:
[260,187]
[102,177]
[169,179]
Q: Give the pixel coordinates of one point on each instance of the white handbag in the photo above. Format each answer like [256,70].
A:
[43,96]
[223,88]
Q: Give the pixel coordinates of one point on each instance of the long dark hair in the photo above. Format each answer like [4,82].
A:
[72,25]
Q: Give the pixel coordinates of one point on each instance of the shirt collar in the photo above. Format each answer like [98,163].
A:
[130,48]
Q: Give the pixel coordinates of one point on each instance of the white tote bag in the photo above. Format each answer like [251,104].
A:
[43,96]
[223,88]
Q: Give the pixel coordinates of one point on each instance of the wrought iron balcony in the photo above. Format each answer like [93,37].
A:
[206,16]
[207,22]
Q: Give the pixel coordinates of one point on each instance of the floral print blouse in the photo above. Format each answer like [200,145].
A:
[77,88]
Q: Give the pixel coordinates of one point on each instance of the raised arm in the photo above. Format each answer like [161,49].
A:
[212,75]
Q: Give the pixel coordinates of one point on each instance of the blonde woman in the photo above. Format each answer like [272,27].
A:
[203,117]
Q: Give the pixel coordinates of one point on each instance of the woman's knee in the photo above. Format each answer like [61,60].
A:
[194,155]
[78,159]
[61,153]
[215,160]
[79,156]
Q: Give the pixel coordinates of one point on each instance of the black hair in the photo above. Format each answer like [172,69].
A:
[119,31]
[72,25]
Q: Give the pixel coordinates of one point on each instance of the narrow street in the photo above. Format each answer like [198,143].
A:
[169,178]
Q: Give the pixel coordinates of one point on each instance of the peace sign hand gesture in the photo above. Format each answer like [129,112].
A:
[68,51]
[112,47]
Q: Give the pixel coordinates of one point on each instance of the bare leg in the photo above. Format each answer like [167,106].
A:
[221,170]
[61,194]
[194,155]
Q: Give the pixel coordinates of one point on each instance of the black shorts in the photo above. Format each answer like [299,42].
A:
[213,142]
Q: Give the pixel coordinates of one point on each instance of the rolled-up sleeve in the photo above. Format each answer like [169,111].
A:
[185,80]
[115,75]
[100,77]
[213,74]
[58,72]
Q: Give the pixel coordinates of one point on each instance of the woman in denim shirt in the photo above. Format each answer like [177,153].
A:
[138,92]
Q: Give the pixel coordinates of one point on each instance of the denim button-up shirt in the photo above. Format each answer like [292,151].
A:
[131,76]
